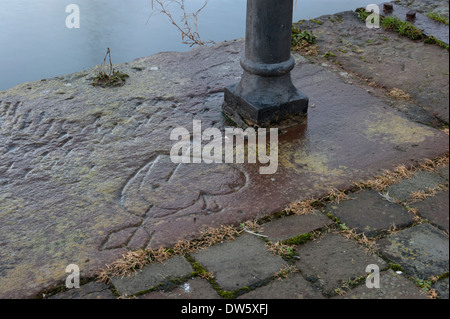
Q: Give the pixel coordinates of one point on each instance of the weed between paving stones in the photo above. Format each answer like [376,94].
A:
[426,285]
[383,181]
[61,288]
[348,285]
[399,94]
[284,272]
[131,262]
[310,205]
[281,249]
[201,272]
[420,195]
[380,183]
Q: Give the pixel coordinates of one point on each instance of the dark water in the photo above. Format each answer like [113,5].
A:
[35,42]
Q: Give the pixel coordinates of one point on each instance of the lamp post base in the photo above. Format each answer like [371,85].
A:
[261,110]
[266,96]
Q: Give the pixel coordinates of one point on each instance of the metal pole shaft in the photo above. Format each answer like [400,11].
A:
[268,33]
[265,94]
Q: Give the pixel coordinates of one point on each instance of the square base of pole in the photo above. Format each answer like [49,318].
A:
[248,113]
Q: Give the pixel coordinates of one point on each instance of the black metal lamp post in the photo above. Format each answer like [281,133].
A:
[266,95]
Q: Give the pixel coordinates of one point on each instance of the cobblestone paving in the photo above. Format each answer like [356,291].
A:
[412,257]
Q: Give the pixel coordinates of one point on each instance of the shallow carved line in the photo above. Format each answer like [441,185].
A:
[25,122]
[129,182]
[1,108]
[108,236]
[5,107]
[14,108]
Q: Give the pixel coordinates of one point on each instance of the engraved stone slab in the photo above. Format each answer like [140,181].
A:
[84,173]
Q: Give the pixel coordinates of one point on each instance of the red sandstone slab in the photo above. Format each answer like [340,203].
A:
[84,172]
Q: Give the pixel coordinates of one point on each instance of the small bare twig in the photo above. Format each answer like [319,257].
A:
[189,21]
[108,54]
[255,234]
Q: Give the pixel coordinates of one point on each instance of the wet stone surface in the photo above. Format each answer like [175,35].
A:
[429,26]
[435,209]
[369,213]
[426,6]
[191,289]
[242,263]
[444,172]
[388,60]
[92,290]
[85,175]
[292,287]
[422,250]
[152,276]
[422,181]
[332,260]
[392,286]
[442,288]
[292,226]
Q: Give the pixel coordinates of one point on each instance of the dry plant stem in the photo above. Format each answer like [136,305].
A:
[369,245]
[189,31]
[307,49]
[381,182]
[399,94]
[252,225]
[108,54]
[132,262]
[336,195]
[279,248]
[301,208]
[285,271]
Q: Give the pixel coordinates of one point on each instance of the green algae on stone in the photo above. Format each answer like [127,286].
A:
[396,130]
